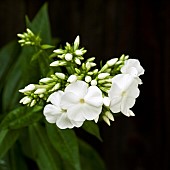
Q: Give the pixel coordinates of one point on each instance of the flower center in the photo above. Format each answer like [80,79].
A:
[124,93]
[82,101]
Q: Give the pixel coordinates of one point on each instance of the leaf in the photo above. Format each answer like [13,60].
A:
[8,140]
[16,159]
[8,54]
[90,159]
[92,128]
[21,117]
[65,142]
[44,154]
[41,24]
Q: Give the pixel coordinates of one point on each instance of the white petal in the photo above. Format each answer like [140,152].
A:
[132,63]
[77,123]
[51,113]
[76,112]
[91,112]
[69,99]
[94,96]
[78,87]
[55,98]
[106,101]
[115,104]
[63,122]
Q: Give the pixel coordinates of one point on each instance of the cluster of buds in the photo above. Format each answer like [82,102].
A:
[29,38]
[108,83]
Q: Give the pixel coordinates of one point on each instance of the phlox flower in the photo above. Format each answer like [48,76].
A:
[54,113]
[123,93]
[133,67]
[81,101]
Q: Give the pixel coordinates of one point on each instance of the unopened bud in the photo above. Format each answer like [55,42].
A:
[68,57]
[60,75]
[87,79]
[72,79]
[78,52]
[106,101]
[77,61]
[112,62]
[40,91]
[45,80]
[106,119]
[93,82]
[103,75]
[109,115]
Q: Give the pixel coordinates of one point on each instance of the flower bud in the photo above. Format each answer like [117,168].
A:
[72,79]
[68,57]
[77,61]
[40,91]
[28,88]
[25,100]
[45,80]
[76,43]
[106,119]
[103,75]
[60,75]
[93,82]
[87,79]
[33,103]
[78,52]
[109,115]
[112,62]
[58,51]
[55,63]
[96,119]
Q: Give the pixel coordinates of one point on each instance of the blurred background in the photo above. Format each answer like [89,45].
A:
[109,28]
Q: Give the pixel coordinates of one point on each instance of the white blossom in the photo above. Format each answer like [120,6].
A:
[123,93]
[82,102]
[78,52]
[54,113]
[133,67]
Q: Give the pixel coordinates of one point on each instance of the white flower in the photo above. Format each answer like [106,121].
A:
[133,67]
[82,102]
[87,79]
[123,92]
[54,113]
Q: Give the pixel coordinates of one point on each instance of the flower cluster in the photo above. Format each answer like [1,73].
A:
[81,92]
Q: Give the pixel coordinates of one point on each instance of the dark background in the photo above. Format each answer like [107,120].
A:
[108,28]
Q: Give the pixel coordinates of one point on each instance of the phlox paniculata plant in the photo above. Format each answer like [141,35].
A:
[81,91]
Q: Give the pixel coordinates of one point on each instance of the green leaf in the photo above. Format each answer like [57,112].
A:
[92,128]
[8,140]
[41,24]
[16,159]
[90,159]
[21,117]
[65,142]
[8,54]
[44,154]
